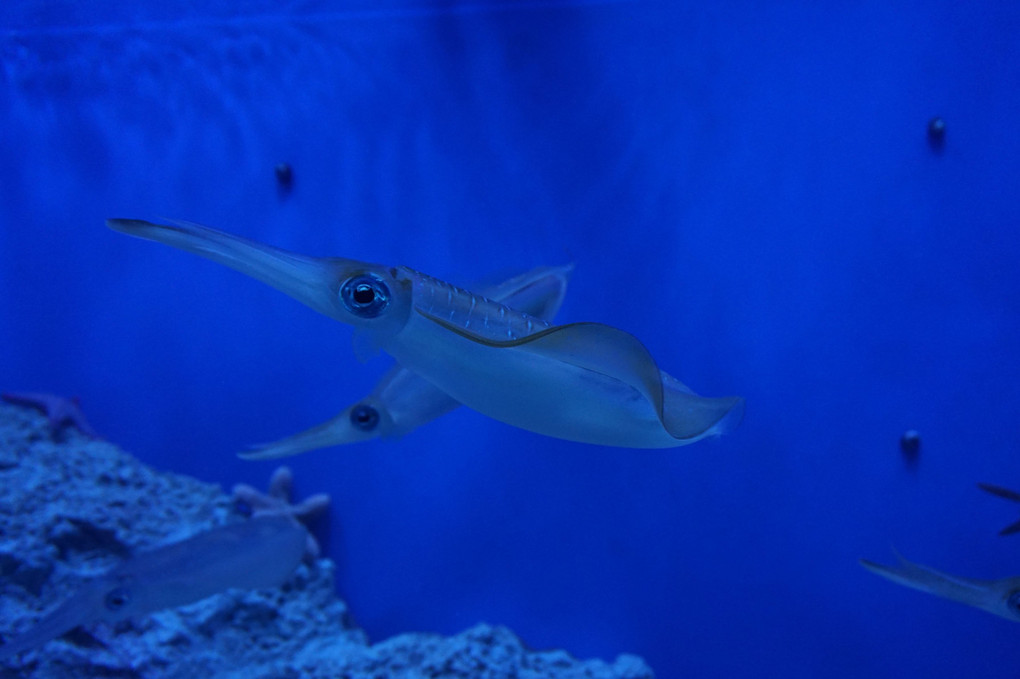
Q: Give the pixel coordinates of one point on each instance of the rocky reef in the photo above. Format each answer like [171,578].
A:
[72,506]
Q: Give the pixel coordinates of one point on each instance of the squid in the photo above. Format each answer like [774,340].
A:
[403,401]
[259,553]
[584,382]
[998,597]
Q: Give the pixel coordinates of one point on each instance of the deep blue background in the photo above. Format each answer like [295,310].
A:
[747,188]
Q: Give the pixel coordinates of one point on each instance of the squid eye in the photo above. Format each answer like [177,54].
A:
[364,417]
[117,598]
[1014,601]
[365,295]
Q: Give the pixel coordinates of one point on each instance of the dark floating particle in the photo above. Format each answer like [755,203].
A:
[910,444]
[937,133]
[284,177]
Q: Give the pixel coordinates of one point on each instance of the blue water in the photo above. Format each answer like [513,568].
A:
[748,188]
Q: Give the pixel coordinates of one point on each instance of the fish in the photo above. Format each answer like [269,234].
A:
[585,382]
[402,401]
[257,553]
[998,597]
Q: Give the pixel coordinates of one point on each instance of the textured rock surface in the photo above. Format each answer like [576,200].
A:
[71,507]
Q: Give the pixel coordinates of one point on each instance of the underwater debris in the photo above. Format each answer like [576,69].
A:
[60,411]
[1007,494]
[910,445]
[277,501]
[937,133]
[998,597]
[284,177]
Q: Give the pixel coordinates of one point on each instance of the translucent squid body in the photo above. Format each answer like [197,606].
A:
[998,597]
[253,554]
[584,382]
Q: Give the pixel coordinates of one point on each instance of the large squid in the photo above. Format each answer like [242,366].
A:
[584,382]
[998,597]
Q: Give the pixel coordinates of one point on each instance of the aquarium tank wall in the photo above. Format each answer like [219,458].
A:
[810,206]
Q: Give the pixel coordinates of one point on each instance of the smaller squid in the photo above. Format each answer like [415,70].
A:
[998,597]
[259,553]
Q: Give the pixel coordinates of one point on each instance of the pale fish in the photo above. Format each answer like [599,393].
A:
[584,382]
[253,554]
[999,597]
[403,401]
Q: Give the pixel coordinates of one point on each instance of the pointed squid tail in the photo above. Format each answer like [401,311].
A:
[60,621]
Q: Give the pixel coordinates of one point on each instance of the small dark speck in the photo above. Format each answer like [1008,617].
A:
[243,508]
[937,133]
[910,444]
[284,177]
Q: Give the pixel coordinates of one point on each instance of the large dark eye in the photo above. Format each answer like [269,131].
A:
[364,417]
[1014,602]
[117,598]
[365,295]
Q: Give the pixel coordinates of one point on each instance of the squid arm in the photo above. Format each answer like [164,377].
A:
[1007,494]
[402,401]
[998,597]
